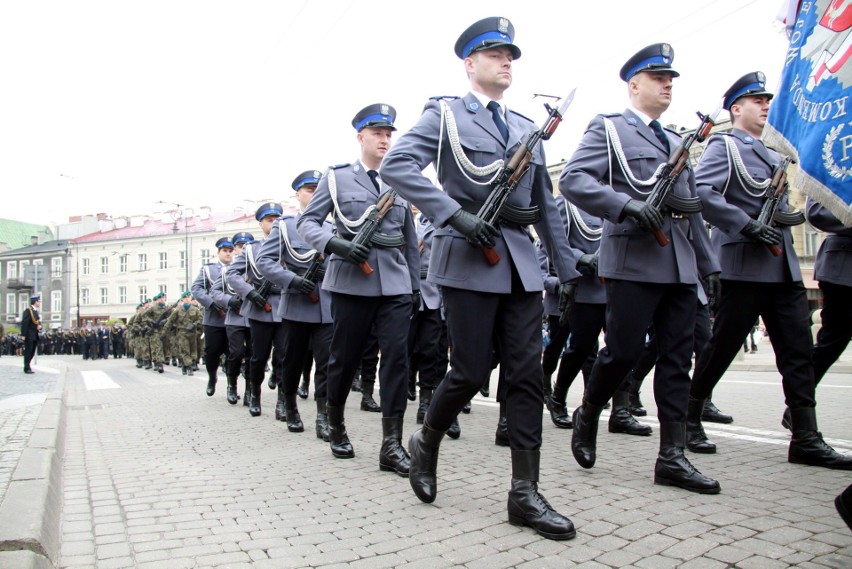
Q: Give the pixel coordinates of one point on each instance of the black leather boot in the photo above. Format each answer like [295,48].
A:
[392,457]
[148,364]
[620,419]
[583,439]
[247,393]
[454,432]
[322,419]
[294,420]
[231,391]
[254,403]
[807,446]
[423,473]
[557,408]
[787,420]
[280,407]
[337,437]
[696,439]
[302,391]
[843,503]
[711,414]
[529,508]
[211,383]
[635,406]
[189,370]
[160,367]
[501,437]
[466,408]
[356,381]
[412,387]
[183,370]
[139,363]
[367,401]
[272,382]
[673,468]
[425,400]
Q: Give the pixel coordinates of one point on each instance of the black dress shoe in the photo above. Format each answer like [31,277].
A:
[280,411]
[337,436]
[843,503]
[369,404]
[28,371]
[423,446]
[527,507]
[621,421]
[711,414]
[392,456]
[302,390]
[636,407]
[696,439]
[501,437]
[466,408]
[807,445]
[454,432]
[674,469]
[584,437]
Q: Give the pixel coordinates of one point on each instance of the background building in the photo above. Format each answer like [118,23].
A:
[39,268]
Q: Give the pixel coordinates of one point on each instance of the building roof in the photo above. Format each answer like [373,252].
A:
[17,234]
[36,250]
[158,228]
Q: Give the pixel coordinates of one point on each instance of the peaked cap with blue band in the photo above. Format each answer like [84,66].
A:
[750,84]
[656,57]
[224,242]
[485,34]
[269,208]
[378,115]
[307,178]
[242,237]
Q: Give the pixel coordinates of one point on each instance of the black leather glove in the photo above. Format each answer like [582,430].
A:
[415,302]
[255,298]
[646,216]
[348,250]
[713,289]
[567,292]
[477,232]
[301,284]
[762,233]
[588,264]
[235,302]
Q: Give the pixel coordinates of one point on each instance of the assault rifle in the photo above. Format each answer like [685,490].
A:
[508,177]
[218,308]
[312,274]
[769,214]
[264,291]
[661,195]
[371,225]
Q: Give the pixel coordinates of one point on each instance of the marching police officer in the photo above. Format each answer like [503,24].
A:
[287,260]
[609,176]
[733,177]
[215,339]
[505,297]
[385,296]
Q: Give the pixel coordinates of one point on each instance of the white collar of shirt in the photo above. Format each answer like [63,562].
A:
[642,116]
[484,100]
[364,167]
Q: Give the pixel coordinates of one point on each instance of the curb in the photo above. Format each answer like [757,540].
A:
[31,511]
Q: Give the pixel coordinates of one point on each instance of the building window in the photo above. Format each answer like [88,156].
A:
[84,296]
[122,295]
[12,270]
[104,296]
[56,301]
[23,271]
[56,267]
[205,256]
[811,243]
[163,289]
[183,259]
[142,262]
[84,266]
[104,265]
[164,260]
[182,287]
[23,301]
[143,293]
[122,264]
[11,307]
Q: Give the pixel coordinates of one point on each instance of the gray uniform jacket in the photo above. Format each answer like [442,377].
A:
[834,259]
[294,305]
[222,292]
[454,262]
[583,240]
[728,206]
[396,270]
[626,251]
[201,288]
[430,296]
[243,276]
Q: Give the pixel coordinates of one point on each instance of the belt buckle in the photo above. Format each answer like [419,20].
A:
[677,215]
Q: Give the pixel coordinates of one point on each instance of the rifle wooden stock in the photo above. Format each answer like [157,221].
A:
[775,250]
[491,255]
[366,268]
[661,238]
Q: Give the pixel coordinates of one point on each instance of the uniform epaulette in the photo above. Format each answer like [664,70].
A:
[287,216]
[514,112]
[610,115]
[338,166]
[443,98]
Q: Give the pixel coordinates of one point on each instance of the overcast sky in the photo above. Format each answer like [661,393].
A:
[112,106]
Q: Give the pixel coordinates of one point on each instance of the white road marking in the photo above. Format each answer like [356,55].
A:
[98,380]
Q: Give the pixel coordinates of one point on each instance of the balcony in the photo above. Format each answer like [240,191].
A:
[16,284]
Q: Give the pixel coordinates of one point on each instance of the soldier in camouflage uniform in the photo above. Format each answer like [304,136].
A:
[153,321]
[185,320]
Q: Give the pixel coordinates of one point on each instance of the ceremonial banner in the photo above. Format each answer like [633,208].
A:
[811,115]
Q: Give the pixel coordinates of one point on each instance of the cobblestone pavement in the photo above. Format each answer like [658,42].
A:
[158,475]
[21,398]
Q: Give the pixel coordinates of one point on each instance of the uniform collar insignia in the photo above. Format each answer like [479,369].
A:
[748,139]
[631,121]
[473,106]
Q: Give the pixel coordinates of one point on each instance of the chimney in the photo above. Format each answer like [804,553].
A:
[34,240]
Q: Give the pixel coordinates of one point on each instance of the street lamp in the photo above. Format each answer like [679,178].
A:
[176,214]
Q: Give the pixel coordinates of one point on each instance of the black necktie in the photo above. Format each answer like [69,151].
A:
[374,176]
[494,107]
[658,132]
